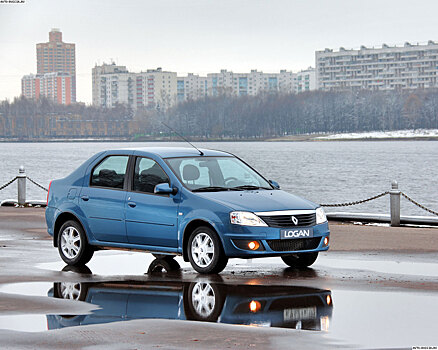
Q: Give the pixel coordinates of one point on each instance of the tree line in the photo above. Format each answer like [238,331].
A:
[239,117]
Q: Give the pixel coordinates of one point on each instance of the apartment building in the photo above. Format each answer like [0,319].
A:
[191,87]
[55,86]
[253,83]
[411,66]
[305,80]
[57,56]
[114,84]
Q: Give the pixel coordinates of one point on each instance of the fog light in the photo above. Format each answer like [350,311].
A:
[253,245]
[254,306]
[326,241]
[328,298]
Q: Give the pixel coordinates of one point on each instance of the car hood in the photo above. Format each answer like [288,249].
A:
[263,200]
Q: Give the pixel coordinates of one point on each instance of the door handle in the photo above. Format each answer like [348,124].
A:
[132,204]
[85,198]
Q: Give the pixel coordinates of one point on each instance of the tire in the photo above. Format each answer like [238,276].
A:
[166,264]
[203,301]
[205,251]
[73,246]
[301,260]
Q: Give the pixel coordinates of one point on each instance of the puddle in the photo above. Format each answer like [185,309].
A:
[24,323]
[257,305]
[384,319]
[366,319]
[29,289]
[381,266]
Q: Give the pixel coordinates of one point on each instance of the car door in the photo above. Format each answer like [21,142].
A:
[103,200]
[151,219]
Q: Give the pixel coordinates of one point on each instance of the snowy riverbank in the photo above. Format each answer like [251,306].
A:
[395,134]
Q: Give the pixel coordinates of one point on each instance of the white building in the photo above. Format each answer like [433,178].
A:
[383,68]
[113,85]
[305,80]
[253,83]
[191,87]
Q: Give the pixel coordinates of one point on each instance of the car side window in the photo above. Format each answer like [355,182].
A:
[147,175]
[110,172]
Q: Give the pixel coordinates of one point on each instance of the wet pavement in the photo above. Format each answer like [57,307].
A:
[353,298]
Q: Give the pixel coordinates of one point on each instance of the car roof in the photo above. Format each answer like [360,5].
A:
[173,152]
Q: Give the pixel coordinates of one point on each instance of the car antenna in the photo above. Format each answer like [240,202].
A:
[191,144]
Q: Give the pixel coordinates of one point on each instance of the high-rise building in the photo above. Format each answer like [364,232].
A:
[57,56]
[113,85]
[305,80]
[253,83]
[55,86]
[384,68]
[191,87]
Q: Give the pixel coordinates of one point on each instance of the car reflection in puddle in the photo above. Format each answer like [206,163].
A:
[203,300]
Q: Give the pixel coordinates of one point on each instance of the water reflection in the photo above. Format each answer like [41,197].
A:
[200,300]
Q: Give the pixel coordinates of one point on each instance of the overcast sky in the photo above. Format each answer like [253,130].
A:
[202,36]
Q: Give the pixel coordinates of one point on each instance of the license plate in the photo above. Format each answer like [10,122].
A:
[292,233]
[305,313]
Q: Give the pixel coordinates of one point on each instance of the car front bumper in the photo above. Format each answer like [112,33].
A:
[271,242]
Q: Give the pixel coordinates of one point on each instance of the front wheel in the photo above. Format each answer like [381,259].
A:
[301,260]
[205,251]
[73,246]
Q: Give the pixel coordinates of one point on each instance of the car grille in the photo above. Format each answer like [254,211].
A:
[286,245]
[286,220]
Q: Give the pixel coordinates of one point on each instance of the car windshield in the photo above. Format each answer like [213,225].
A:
[211,174]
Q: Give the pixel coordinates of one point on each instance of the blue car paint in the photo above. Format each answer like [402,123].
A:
[173,213]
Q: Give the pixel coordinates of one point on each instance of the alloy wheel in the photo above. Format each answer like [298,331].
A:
[70,242]
[202,249]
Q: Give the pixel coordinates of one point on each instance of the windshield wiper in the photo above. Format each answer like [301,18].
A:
[213,189]
[251,187]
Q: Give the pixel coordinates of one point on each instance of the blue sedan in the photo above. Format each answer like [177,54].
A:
[205,205]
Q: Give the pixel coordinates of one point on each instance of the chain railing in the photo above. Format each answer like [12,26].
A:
[347,204]
[37,184]
[395,194]
[8,183]
[418,204]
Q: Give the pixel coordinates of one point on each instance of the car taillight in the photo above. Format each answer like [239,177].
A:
[48,192]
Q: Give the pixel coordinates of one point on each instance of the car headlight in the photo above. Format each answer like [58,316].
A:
[320,216]
[246,219]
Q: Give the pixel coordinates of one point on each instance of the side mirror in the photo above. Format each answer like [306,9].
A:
[165,188]
[275,184]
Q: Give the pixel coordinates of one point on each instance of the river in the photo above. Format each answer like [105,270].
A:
[324,172]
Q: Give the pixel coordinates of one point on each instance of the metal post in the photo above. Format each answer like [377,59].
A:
[395,204]
[21,180]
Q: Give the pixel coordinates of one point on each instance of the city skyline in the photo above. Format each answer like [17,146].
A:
[200,36]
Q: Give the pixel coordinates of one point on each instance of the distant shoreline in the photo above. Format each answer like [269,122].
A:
[279,139]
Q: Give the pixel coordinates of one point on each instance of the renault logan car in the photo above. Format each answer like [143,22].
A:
[205,205]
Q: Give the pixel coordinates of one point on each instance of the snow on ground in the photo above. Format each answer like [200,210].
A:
[383,134]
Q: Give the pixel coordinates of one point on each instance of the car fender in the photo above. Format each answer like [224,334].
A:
[75,210]
[206,215]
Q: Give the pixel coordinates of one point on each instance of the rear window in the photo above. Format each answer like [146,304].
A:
[110,172]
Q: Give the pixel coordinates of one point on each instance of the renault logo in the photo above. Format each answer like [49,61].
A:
[294,220]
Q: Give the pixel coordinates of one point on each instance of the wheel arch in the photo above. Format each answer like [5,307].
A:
[60,220]
[190,227]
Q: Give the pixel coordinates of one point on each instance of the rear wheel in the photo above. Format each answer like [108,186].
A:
[301,260]
[73,246]
[205,251]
